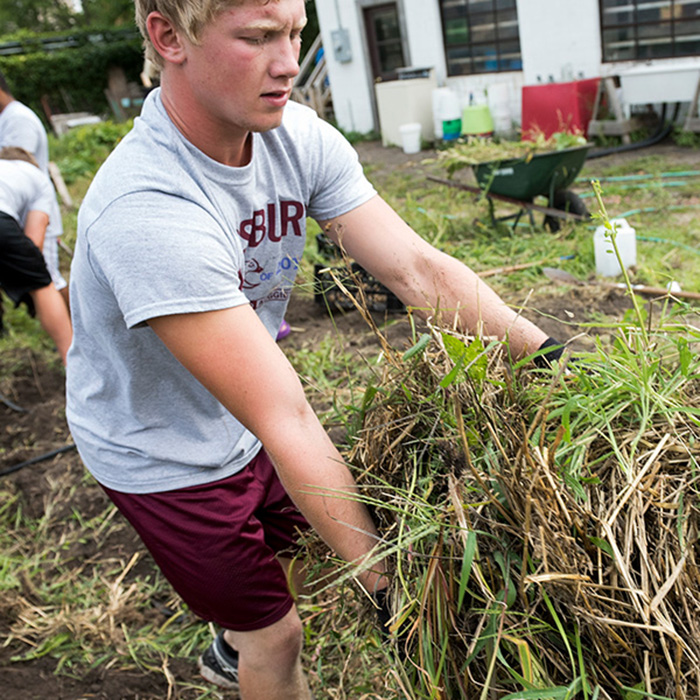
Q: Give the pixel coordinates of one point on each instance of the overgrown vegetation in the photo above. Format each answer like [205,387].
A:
[541,526]
[40,78]
[80,152]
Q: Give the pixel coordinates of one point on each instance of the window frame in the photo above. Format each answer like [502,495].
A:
[642,47]
[498,53]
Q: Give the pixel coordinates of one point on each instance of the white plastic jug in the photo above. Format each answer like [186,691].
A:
[606,262]
[447,113]
[410,137]
[499,105]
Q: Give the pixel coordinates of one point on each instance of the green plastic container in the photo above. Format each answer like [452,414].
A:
[541,174]
[476,120]
[451,129]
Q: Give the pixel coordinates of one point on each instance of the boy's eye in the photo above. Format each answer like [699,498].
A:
[256,40]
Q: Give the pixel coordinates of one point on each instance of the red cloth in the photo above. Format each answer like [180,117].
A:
[558,107]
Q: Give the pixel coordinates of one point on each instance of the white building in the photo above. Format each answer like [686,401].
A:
[488,50]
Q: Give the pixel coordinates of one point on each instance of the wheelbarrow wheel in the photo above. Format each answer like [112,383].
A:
[568,201]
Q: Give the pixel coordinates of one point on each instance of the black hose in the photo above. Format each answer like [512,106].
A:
[34,460]
[663,130]
[11,405]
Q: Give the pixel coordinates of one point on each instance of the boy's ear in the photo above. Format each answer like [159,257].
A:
[165,37]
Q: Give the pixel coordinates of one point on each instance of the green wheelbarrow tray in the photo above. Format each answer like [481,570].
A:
[539,174]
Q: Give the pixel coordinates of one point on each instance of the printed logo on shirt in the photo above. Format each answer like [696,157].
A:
[255,274]
[252,271]
[273,223]
[275,295]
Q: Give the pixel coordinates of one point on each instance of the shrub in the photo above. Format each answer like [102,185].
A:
[71,79]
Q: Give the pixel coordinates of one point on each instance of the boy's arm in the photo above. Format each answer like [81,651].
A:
[35,227]
[426,279]
[232,354]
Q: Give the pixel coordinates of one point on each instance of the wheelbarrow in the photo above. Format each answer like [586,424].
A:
[519,180]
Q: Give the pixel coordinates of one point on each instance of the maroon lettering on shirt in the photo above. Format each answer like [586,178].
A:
[263,223]
[292,213]
[253,230]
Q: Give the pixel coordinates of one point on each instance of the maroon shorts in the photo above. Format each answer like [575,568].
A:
[216,543]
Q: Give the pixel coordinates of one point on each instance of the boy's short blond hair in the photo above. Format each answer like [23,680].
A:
[17,153]
[189,16]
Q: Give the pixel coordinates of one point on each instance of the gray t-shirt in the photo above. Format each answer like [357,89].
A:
[163,230]
[20,126]
[23,188]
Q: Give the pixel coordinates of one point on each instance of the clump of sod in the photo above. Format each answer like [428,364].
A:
[541,526]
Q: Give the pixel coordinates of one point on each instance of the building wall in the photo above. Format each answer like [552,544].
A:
[350,82]
[424,29]
[560,41]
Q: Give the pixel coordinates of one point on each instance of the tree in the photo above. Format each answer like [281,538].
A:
[311,29]
[106,13]
[35,15]
[57,15]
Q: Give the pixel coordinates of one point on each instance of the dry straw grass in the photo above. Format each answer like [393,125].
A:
[542,527]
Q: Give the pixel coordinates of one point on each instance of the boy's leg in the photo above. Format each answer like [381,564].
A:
[218,544]
[269,666]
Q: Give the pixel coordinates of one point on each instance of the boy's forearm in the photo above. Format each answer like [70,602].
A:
[442,283]
[320,483]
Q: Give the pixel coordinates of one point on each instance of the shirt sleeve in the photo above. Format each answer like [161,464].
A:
[43,198]
[341,185]
[161,254]
[20,133]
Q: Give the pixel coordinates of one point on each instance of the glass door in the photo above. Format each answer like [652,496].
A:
[384,40]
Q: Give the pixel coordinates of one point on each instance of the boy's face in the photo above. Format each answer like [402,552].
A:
[241,72]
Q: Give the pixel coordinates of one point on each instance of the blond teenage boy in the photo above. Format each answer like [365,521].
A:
[181,403]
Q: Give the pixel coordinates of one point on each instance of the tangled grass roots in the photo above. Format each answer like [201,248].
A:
[536,543]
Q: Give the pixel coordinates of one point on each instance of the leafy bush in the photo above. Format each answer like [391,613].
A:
[81,151]
[72,79]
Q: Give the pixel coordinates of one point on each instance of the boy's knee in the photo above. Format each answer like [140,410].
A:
[278,645]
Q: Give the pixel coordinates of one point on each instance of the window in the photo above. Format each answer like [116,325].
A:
[645,29]
[481,36]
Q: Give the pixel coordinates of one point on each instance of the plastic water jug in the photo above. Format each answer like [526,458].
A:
[606,262]
[447,114]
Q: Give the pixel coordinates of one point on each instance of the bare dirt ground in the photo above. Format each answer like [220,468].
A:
[41,427]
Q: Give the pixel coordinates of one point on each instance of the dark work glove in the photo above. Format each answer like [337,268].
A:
[553,351]
[400,638]
[381,601]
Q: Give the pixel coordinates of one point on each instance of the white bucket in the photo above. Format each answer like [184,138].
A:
[410,137]
[606,262]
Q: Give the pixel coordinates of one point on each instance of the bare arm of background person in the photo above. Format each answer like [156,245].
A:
[35,227]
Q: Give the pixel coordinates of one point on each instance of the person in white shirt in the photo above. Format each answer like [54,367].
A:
[21,127]
[26,196]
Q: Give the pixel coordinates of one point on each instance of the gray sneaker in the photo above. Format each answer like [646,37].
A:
[218,666]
